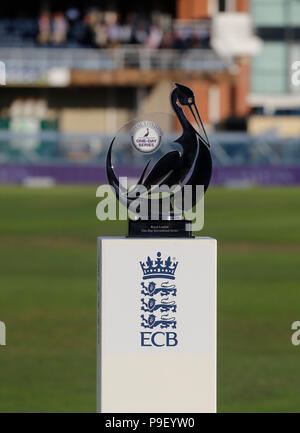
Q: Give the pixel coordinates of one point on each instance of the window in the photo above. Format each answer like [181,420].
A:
[222,7]
[227,5]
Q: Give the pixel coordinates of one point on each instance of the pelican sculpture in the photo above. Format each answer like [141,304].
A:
[191,166]
[147,133]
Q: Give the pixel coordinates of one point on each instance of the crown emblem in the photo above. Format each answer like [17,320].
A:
[159,268]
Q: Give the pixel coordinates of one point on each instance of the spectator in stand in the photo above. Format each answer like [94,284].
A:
[167,40]
[72,14]
[140,33]
[87,37]
[44,24]
[154,39]
[106,30]
[204,37]
[100,37]
[99,29]
[126,29]
[113,28]
[60,28]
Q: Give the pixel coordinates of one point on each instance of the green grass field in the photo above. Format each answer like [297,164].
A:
[48,297]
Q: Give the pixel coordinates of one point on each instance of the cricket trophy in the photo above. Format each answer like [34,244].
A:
[157,285]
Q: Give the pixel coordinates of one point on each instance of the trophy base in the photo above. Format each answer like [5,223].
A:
[160,229]
[181,359]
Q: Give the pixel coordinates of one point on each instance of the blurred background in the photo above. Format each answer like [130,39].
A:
[75,73]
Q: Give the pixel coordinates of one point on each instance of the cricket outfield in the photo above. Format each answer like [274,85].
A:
[48,297]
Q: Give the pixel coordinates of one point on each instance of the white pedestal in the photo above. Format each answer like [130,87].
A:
[157,342]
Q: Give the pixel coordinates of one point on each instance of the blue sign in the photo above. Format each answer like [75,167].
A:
[158,302]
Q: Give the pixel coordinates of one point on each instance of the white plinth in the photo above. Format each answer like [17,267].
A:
[165,363]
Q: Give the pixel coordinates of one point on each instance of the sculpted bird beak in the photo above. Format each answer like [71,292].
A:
[198,120]
[192,106]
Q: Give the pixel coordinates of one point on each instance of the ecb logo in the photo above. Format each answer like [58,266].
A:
[158,304]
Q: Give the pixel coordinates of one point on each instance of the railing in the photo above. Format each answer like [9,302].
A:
[228,149]
[29,65]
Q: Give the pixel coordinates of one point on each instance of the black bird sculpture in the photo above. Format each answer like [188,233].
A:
[191,166]
[147,133]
